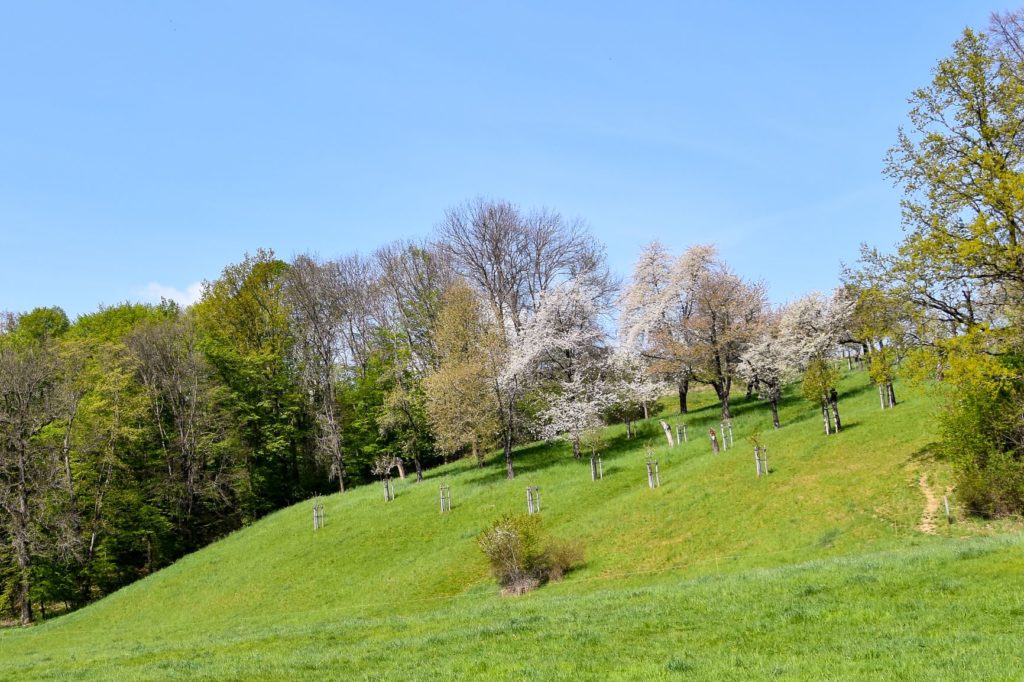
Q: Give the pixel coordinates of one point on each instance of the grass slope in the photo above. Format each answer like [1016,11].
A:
[815,571]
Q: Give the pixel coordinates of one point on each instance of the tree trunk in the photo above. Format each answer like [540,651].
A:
[576,448]
[750,388]
[645,409]
[684,388]
[476,454]
[401,468]
[722,390]
[510,472]
[20,536]
[774,402]
[69,480]
[419,469]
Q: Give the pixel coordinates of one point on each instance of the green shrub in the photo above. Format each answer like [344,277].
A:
[521,558]
[560,556]
[983,433]
[995,488]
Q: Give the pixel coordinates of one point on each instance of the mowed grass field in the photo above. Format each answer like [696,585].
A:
[818,570]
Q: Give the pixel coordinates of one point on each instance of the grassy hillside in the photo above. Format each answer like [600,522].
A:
[819,568]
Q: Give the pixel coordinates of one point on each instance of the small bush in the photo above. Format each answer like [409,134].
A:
[995,489]
[560,556]
[521,558]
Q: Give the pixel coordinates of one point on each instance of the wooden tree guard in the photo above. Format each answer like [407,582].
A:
[668,432]
[764,460]
[714,441]
[596,468]
[757,460]
[533,499]
[389,490]
[318,516]
[681,436]
[653,474]
[945,502]
[727,439]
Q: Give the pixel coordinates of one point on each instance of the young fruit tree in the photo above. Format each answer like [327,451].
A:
[766,365]
[812,328]
[654,311]
[726,314]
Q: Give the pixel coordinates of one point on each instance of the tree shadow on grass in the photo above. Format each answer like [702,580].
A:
[929,452]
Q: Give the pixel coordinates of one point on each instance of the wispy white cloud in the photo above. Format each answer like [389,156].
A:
[154,291]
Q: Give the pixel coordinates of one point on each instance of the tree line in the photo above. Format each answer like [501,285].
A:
[139,433]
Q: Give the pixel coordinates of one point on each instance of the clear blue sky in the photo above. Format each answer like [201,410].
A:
[147,145]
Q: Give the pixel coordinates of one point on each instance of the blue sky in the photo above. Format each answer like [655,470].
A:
[144,146]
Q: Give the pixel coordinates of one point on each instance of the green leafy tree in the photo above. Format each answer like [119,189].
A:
[243,318]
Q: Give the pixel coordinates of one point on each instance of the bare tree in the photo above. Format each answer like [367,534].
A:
[183,403]
[317,297]
[511,258]
[27,378]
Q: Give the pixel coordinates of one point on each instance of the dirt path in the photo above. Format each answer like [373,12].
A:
[931,506]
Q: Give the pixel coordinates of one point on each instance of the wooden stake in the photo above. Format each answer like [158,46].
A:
[945,501]
[757,460]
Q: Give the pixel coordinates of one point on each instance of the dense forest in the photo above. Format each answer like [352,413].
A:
[137,433]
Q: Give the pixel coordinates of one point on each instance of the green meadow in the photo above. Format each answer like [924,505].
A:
[821,569]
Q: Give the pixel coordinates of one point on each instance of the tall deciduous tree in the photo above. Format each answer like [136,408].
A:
[511,258]
[726,315]
[28,374]
[462,392]
[655,309]
[244,318]
[563,347]
[187,408]
[317,298]
[960,164]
